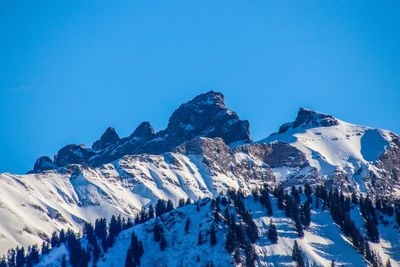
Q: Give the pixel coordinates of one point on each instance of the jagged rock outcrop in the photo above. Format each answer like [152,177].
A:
[310,118]
[205,115]
[144,132]
[108,138]
[307,118]
[73,154]
[126,146]
[43,164]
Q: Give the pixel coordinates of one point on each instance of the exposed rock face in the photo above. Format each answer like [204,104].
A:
[389,165]
[108,138]
[129,145]
[307,118]
[73,154]
[43,164]
[144,131]
[303,151]
[277,154]
[205,115]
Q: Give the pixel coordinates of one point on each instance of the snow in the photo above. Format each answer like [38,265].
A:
[323,240]
[33,206]
[321,243]
[344,147]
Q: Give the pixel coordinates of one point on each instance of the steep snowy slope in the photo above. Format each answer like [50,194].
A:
[34,205]
[323,240]
[344,154]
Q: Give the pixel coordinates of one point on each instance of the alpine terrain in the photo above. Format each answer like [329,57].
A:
[201,192]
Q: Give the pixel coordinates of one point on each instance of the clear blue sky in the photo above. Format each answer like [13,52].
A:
[69,69]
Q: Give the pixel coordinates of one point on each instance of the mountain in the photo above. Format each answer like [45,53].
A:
[205,115]
[348,156]
[205,150]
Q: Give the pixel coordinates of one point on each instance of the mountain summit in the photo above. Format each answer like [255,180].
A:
[206,115]
[307,118]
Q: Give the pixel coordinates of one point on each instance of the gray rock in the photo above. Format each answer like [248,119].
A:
[205,115]
[308,118]
[73,154]
[108,138]
[43,164]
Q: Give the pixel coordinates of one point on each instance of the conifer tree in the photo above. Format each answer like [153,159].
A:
[297,255]
[62,237]
[251,255]
[295,194]
[305,215]
[170,206]
[134,253]
[32,256]
[160,207]
[230,243]
[11,257]
[308,191]
[63,261]
[129,259]
[3,262]
[213,237]
[54,240]
[77,255]
[151,212]
[236,257]
[157,232]
[280,195]
[115,228]
[163,243]
[199,238]
[187,225]
[272,233]
[45,248]
[20,259]
[181,202]
[100,229]
[266,200]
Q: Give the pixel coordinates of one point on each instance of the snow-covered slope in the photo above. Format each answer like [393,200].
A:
[34,205]
[346,154]
[323,240]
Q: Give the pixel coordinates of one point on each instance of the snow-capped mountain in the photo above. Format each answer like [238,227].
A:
[206,149]
[205,115]
[346,155]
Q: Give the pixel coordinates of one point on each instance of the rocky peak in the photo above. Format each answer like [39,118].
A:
[207,115]
[73,154]
[108,138]
[309,118]
[144,131]
[43,163]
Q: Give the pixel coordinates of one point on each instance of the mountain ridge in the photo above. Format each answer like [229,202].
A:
[120,178]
